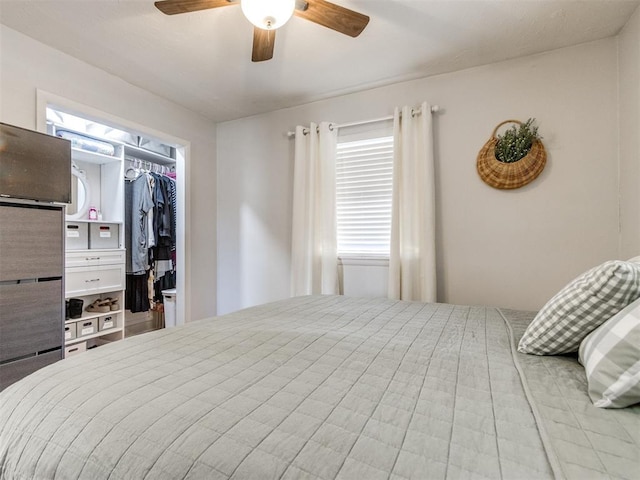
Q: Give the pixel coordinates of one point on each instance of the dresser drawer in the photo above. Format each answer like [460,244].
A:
[33,246]
[88,280]
[30,318]
[13,371]
[90,258]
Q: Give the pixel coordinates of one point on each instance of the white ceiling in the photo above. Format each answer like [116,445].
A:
[201,60]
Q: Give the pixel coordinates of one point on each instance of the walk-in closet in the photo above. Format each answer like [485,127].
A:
[150,239]
[121,230]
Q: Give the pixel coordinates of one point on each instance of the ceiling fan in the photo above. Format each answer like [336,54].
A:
[268,15]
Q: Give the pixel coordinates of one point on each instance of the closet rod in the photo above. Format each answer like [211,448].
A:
[131,158]
[434,109]
[149,164]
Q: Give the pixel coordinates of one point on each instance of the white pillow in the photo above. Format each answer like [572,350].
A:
[611,358]
[580,307]
[635,259]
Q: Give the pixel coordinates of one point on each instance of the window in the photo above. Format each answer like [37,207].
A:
[364,181]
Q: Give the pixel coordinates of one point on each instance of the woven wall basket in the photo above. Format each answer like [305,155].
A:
[510,175]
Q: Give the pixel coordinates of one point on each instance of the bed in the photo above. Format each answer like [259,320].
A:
[318,387]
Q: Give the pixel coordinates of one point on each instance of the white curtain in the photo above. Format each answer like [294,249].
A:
[412,268]
[314,258]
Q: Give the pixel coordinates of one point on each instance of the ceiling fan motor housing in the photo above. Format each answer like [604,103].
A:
[268,14]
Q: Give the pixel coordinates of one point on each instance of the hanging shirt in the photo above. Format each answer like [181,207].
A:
[162,214]
[141,203]
[128,216]
[151,238]
[174,207]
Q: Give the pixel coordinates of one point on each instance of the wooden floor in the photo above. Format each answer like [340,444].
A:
[143,322]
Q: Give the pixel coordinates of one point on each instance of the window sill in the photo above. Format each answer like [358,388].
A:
[364,261]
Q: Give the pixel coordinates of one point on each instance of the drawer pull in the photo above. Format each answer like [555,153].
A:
[92,280]
[92,258]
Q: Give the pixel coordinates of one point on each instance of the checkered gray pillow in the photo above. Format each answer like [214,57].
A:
[611,357]
[580,307]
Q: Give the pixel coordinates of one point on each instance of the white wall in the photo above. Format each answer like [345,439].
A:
[27,65]
[629,62]
[507,248]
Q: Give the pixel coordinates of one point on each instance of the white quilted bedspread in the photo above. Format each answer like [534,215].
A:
[317,387]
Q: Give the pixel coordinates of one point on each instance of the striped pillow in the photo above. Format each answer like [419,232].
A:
[580,307]
[611,357]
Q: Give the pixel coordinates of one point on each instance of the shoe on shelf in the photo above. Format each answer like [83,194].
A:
[99,306]
[114,304]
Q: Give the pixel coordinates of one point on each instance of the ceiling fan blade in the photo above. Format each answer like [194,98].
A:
[334,17]
[263,43]
[171,7]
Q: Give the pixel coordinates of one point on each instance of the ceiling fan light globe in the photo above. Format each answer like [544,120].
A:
[268,14]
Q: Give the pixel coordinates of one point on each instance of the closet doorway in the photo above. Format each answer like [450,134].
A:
[110,156]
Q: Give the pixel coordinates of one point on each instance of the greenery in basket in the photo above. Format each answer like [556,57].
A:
[516,142]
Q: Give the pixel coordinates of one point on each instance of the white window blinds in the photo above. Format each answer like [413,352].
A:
[364,180]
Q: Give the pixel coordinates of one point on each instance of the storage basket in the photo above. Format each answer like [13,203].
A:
[104,236]
[77,236]
[510,175]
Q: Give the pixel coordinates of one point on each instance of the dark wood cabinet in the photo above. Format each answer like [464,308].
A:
[31,288]
[31,242]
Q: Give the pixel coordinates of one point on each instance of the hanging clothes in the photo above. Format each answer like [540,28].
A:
[151,239]
[138,202]
[162,206]
[150,236]
[163,253]
[136,297]
[167,281]
[174,212]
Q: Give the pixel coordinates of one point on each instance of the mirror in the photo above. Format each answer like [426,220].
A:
[79,205]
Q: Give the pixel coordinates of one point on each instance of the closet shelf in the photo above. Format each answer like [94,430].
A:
[86,220]
[91,316]
[101,333]
[93,157]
